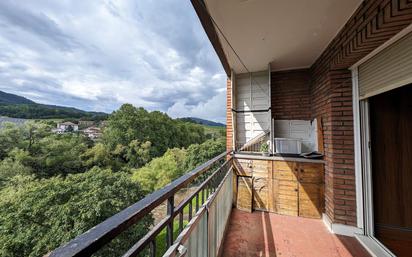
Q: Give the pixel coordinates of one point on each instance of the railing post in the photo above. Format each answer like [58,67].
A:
[170,210]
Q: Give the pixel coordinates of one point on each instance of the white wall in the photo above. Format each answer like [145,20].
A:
[305,130]
[252,93]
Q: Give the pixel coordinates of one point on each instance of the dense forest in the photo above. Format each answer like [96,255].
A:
[42,111]
[56,186]
[20,107]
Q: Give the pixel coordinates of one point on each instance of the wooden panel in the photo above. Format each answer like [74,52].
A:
[262,185]
[285,170]
[260,194]
[260,169]
[310,190]
[310,172]
[273,195]
[244,194]
[243,167]
[285,173]
[310,197]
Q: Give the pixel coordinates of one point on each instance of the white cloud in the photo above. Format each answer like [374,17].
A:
[97,55]
[209,109]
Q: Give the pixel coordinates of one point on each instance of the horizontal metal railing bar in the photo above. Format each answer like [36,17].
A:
[184,235]
[88,243]
[183,204]
[142,243]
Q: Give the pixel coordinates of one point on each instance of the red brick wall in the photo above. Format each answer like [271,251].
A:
[371,25]
[229,128]
[290,95]
[332,101]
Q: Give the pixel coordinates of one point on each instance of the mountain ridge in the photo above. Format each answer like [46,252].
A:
[16,106]
[203,121]
[7,98]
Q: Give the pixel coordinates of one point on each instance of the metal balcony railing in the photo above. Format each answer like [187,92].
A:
[254,144]
[202,235]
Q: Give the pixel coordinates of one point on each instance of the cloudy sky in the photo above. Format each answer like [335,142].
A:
[99,54]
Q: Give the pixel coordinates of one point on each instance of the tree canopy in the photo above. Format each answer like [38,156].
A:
[130,123]
[38,216]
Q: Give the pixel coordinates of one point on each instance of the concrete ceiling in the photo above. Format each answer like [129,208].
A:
[287,34]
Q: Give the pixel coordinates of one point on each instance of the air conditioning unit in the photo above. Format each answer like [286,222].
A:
[288,145]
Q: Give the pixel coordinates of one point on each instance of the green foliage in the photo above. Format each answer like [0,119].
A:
[11,136]
[54,155]
[213,132]
[22,137]
[162,170]
[200,153]
[37,216]
[130,123]
[42,111]
[10,169]
[99,155]
[136,154]
[43,153]
[264,147]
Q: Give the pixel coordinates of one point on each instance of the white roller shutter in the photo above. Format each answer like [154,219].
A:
[389,69]
[252,98]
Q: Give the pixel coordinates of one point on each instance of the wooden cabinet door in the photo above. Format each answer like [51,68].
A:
[260,194]
[261,185]
[244,193]
[285,182]
[310,190]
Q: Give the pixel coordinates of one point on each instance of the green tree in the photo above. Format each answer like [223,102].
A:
[9,169]
[37,216]
[130,123]
[22,137]
[11,136]
[54,155]
[99,155]
[198,154]
[137,154]
[162,170]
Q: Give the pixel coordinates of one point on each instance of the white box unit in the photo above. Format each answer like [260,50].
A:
[288,145]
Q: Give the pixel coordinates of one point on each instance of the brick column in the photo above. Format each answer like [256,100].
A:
[342,175]
[332,102]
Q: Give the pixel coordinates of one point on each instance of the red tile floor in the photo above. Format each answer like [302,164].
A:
[263,234]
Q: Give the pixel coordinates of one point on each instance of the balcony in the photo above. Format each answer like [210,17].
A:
[206,224]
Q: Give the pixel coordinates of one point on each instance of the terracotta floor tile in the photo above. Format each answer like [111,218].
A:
[263,234]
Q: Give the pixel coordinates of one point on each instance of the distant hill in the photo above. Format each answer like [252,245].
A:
[20,107]
[6,98]
[203,122]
